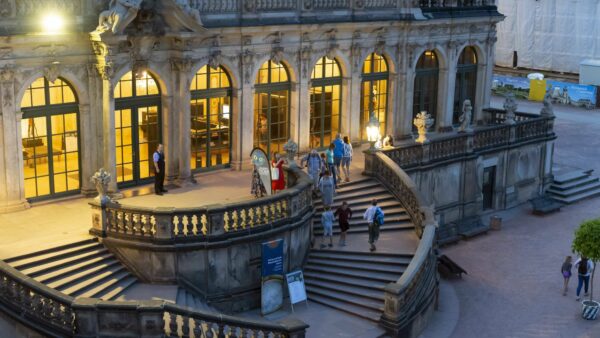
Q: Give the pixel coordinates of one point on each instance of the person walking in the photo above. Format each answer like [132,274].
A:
[277,179]
[374,216]
[314,164]
[584,269]
[327,189]
[566,272]
[329,154]
[327,223]
[323,165]
[343,214]
[338,154]
[159,170]
[347,158]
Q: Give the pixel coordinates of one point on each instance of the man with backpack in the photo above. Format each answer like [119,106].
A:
[584,269]
[374,216]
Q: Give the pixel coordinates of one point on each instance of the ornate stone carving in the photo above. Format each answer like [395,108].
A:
[510,106]
[51,72]
[101,179]
[6,8]
[305,54]
[7,74]
[277,54]
[106,71]
[119,14]
[547,109]
[423,122]
[181,64]
[247,59]
[465,118]
[291,149]
[215,59]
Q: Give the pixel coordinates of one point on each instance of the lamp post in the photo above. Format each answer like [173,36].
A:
[373,130]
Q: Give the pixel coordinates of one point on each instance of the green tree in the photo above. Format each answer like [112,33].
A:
[587,243]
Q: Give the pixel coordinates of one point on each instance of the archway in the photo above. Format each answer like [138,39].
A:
[466,81]
[374,98]
[325,102]
[50,138]
[137,127]
[211,118]
[272,107]
[426,84]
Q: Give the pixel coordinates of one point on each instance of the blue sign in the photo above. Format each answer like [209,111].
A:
[272,276]
[272,258]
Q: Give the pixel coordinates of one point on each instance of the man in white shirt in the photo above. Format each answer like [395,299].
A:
[374,216]
[584,268]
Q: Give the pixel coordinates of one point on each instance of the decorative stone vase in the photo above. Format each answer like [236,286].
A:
[590,309]
[423,121]
[101,179]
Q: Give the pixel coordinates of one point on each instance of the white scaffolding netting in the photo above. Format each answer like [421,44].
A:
[548,34]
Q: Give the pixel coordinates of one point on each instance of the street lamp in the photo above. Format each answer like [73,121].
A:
[373,130]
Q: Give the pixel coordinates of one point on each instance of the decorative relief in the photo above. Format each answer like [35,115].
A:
[246,60]
[6,8]
[7,74]
[51,72]
[119,14]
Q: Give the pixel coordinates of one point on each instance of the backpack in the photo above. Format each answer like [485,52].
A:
[583,267]
[378,217]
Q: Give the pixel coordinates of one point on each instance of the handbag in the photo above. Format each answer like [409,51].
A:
[275,174]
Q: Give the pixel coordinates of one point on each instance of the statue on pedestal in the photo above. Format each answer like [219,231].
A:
[423,121]
[118,15]
[548,109]
[101,179]
[510,106]
[465,118]
[291,149]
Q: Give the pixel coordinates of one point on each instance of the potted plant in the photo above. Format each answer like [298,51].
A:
[587,243]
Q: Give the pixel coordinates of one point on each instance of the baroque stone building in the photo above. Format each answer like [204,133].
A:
[211,79]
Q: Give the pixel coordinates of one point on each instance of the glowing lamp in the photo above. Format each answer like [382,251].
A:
[373,134]
[52,23]
[226,111]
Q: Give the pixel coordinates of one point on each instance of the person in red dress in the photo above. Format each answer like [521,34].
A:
[279,183]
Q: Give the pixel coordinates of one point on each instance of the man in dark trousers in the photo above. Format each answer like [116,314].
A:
[159,170]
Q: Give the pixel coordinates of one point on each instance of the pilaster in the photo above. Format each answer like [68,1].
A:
[354,106]
[443,115]
[181,118]
[304,115]
[86,150]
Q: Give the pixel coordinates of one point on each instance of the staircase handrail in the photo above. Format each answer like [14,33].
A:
[166,225]
[56,314]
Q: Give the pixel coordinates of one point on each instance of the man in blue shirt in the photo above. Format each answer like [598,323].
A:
[338,153]
[159,170]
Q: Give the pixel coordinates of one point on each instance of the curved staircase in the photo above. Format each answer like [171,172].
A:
[352,279]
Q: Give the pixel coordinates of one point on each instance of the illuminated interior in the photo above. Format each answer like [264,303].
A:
[466,81]
[211,118]
[50,139]
[271,107]
[374,96]
[325,102]
[137,126]
[426,85]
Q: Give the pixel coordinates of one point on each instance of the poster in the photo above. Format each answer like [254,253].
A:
[272,276]
[296,288]
[261,161]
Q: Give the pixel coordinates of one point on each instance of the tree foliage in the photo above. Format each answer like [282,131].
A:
[587,239]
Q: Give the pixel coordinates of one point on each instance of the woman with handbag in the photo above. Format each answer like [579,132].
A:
[277,180]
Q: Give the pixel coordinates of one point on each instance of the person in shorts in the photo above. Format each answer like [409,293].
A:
[343,214]
[327,218]
[566,272]
[347,158]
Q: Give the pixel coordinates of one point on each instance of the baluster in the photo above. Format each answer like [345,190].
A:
[234,218]
[251,217]
[243,218]
[187,229]
[204,224]
[266,214]
[226,221]
[273,212]
[258,215]
[195,230]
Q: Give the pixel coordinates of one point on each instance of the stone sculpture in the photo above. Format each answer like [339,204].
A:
[118,15]
[510,106]
[548,109]
[101,179]
[291,149]
[465,118]
[423,122]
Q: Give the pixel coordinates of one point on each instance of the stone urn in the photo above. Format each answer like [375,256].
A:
[291,149]
[590,309]
[101,179]
[423,122]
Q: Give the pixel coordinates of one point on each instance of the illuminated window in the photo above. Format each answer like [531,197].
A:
[466,81]
[374,98]
[325,102]
[270,72]
[426,85]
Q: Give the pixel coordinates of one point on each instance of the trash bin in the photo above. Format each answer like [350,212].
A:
[495,222]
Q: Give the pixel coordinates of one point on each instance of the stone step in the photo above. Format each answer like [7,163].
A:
[345,280]
[50,251]
[572,176]
[55,256]
[92,282]
[73,279]
[372,193]
[73,269]
[108,284]
[362,185]
[357,301]
[578,197]
[364,228]
[65,262]
[573,184]
[358,311]
[358,213]
[383,277]
[359,266]
[390,214]
[118,288]
[361,203]
[575,190]
[357,256]
[352,290]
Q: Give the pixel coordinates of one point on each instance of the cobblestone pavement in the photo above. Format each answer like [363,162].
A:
[513,288]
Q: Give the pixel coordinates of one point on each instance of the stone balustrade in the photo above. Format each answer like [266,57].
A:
[455,3]
[162,225]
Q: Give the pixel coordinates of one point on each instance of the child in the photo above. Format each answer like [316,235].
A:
[566,272]
[344,214]
[327,223]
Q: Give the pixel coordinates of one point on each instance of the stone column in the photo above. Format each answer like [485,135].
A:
[345,109]
[487,80]
[354,106]
[182,118]
[304,115]
[245,128]
[445,116]
[236,131]
[92,130]
[86,150]
[109,158]
[441,119]
[392,104]
[12,194]
[406,107]
[170,135]
[294,112]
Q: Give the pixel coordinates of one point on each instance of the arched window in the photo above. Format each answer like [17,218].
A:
[50,138]
[211,118]
[137,126]
[325,102]
[426,84]
[374,98]
[271,107]
[466,81]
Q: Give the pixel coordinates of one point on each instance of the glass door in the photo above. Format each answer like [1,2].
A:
[325,115]
[210,132]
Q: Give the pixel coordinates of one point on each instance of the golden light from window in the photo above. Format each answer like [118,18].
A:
[52,23]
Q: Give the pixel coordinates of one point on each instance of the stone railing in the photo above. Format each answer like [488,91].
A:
[206,223]
[57,315]
[408,302]
[455,3]
[528,127]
